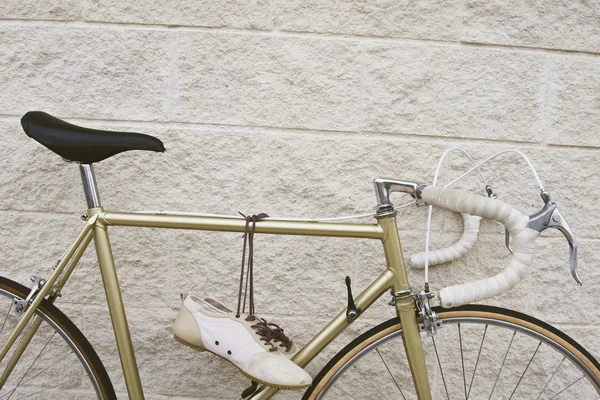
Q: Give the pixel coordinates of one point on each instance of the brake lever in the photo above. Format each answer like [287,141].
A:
[507,240]
[550,217]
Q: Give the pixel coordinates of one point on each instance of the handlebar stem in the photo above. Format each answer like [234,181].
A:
[384,187]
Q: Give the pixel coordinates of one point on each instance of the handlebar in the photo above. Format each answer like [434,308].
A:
[522,229]
[457,250]
[511,218]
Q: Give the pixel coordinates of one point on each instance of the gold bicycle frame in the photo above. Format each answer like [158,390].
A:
[394,278]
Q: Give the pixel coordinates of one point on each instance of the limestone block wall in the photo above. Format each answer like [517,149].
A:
[292,107]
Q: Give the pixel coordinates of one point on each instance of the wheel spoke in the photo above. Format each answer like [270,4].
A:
[462,360]
[479,355]
[48,354]
[477,361]
[6,317]
[48,367]
[343,391]
[368,380]
[526,368]
[31,365]
[552,377]
[440,365]
[580,378]
[25,330]
[503,361]
[390,372]
[45,390]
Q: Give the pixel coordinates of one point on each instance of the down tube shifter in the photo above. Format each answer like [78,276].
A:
[351,312]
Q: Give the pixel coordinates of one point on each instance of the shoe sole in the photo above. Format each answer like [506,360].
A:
[202,349]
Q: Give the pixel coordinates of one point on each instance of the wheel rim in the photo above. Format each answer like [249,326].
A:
[521,360]
[49,366]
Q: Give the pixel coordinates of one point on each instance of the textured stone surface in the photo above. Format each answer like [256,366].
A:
[297,124]
[89,73]
[573,25]
[30,249]
[253,14]
[33,178]
[552,268]
[45,9]
[284,175]
[575,102]
[268,81]
[449,91]
[402,19]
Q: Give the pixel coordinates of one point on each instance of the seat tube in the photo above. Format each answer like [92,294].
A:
[117,312]
[90,188]
[405,307]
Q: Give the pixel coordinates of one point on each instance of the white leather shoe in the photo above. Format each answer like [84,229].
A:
[248,344]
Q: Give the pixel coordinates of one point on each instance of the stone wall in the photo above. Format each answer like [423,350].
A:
[292,107]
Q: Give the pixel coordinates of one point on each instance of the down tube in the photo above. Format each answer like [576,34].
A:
[335,327]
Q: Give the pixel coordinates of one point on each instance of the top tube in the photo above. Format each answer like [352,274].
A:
[229,224]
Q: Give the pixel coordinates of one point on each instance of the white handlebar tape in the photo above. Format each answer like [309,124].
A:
[523,243]
[457,250]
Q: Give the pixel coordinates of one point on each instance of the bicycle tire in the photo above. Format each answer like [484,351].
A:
[54,319]
[370,347]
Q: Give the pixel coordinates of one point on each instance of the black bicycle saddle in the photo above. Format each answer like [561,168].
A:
[83,145]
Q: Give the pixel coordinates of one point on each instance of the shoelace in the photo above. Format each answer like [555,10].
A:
[266,330]
[248,242]
[262,329]
[279,336]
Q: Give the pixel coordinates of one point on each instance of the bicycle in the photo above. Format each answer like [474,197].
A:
[473,351]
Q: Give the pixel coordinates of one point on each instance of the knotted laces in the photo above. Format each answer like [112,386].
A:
[269,333]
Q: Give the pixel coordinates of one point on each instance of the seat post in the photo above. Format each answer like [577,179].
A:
[89,185]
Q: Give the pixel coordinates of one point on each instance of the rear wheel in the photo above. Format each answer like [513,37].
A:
[58,363]
[480,352]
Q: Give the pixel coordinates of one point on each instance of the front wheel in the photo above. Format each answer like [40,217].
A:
[479,352]
[58,363]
